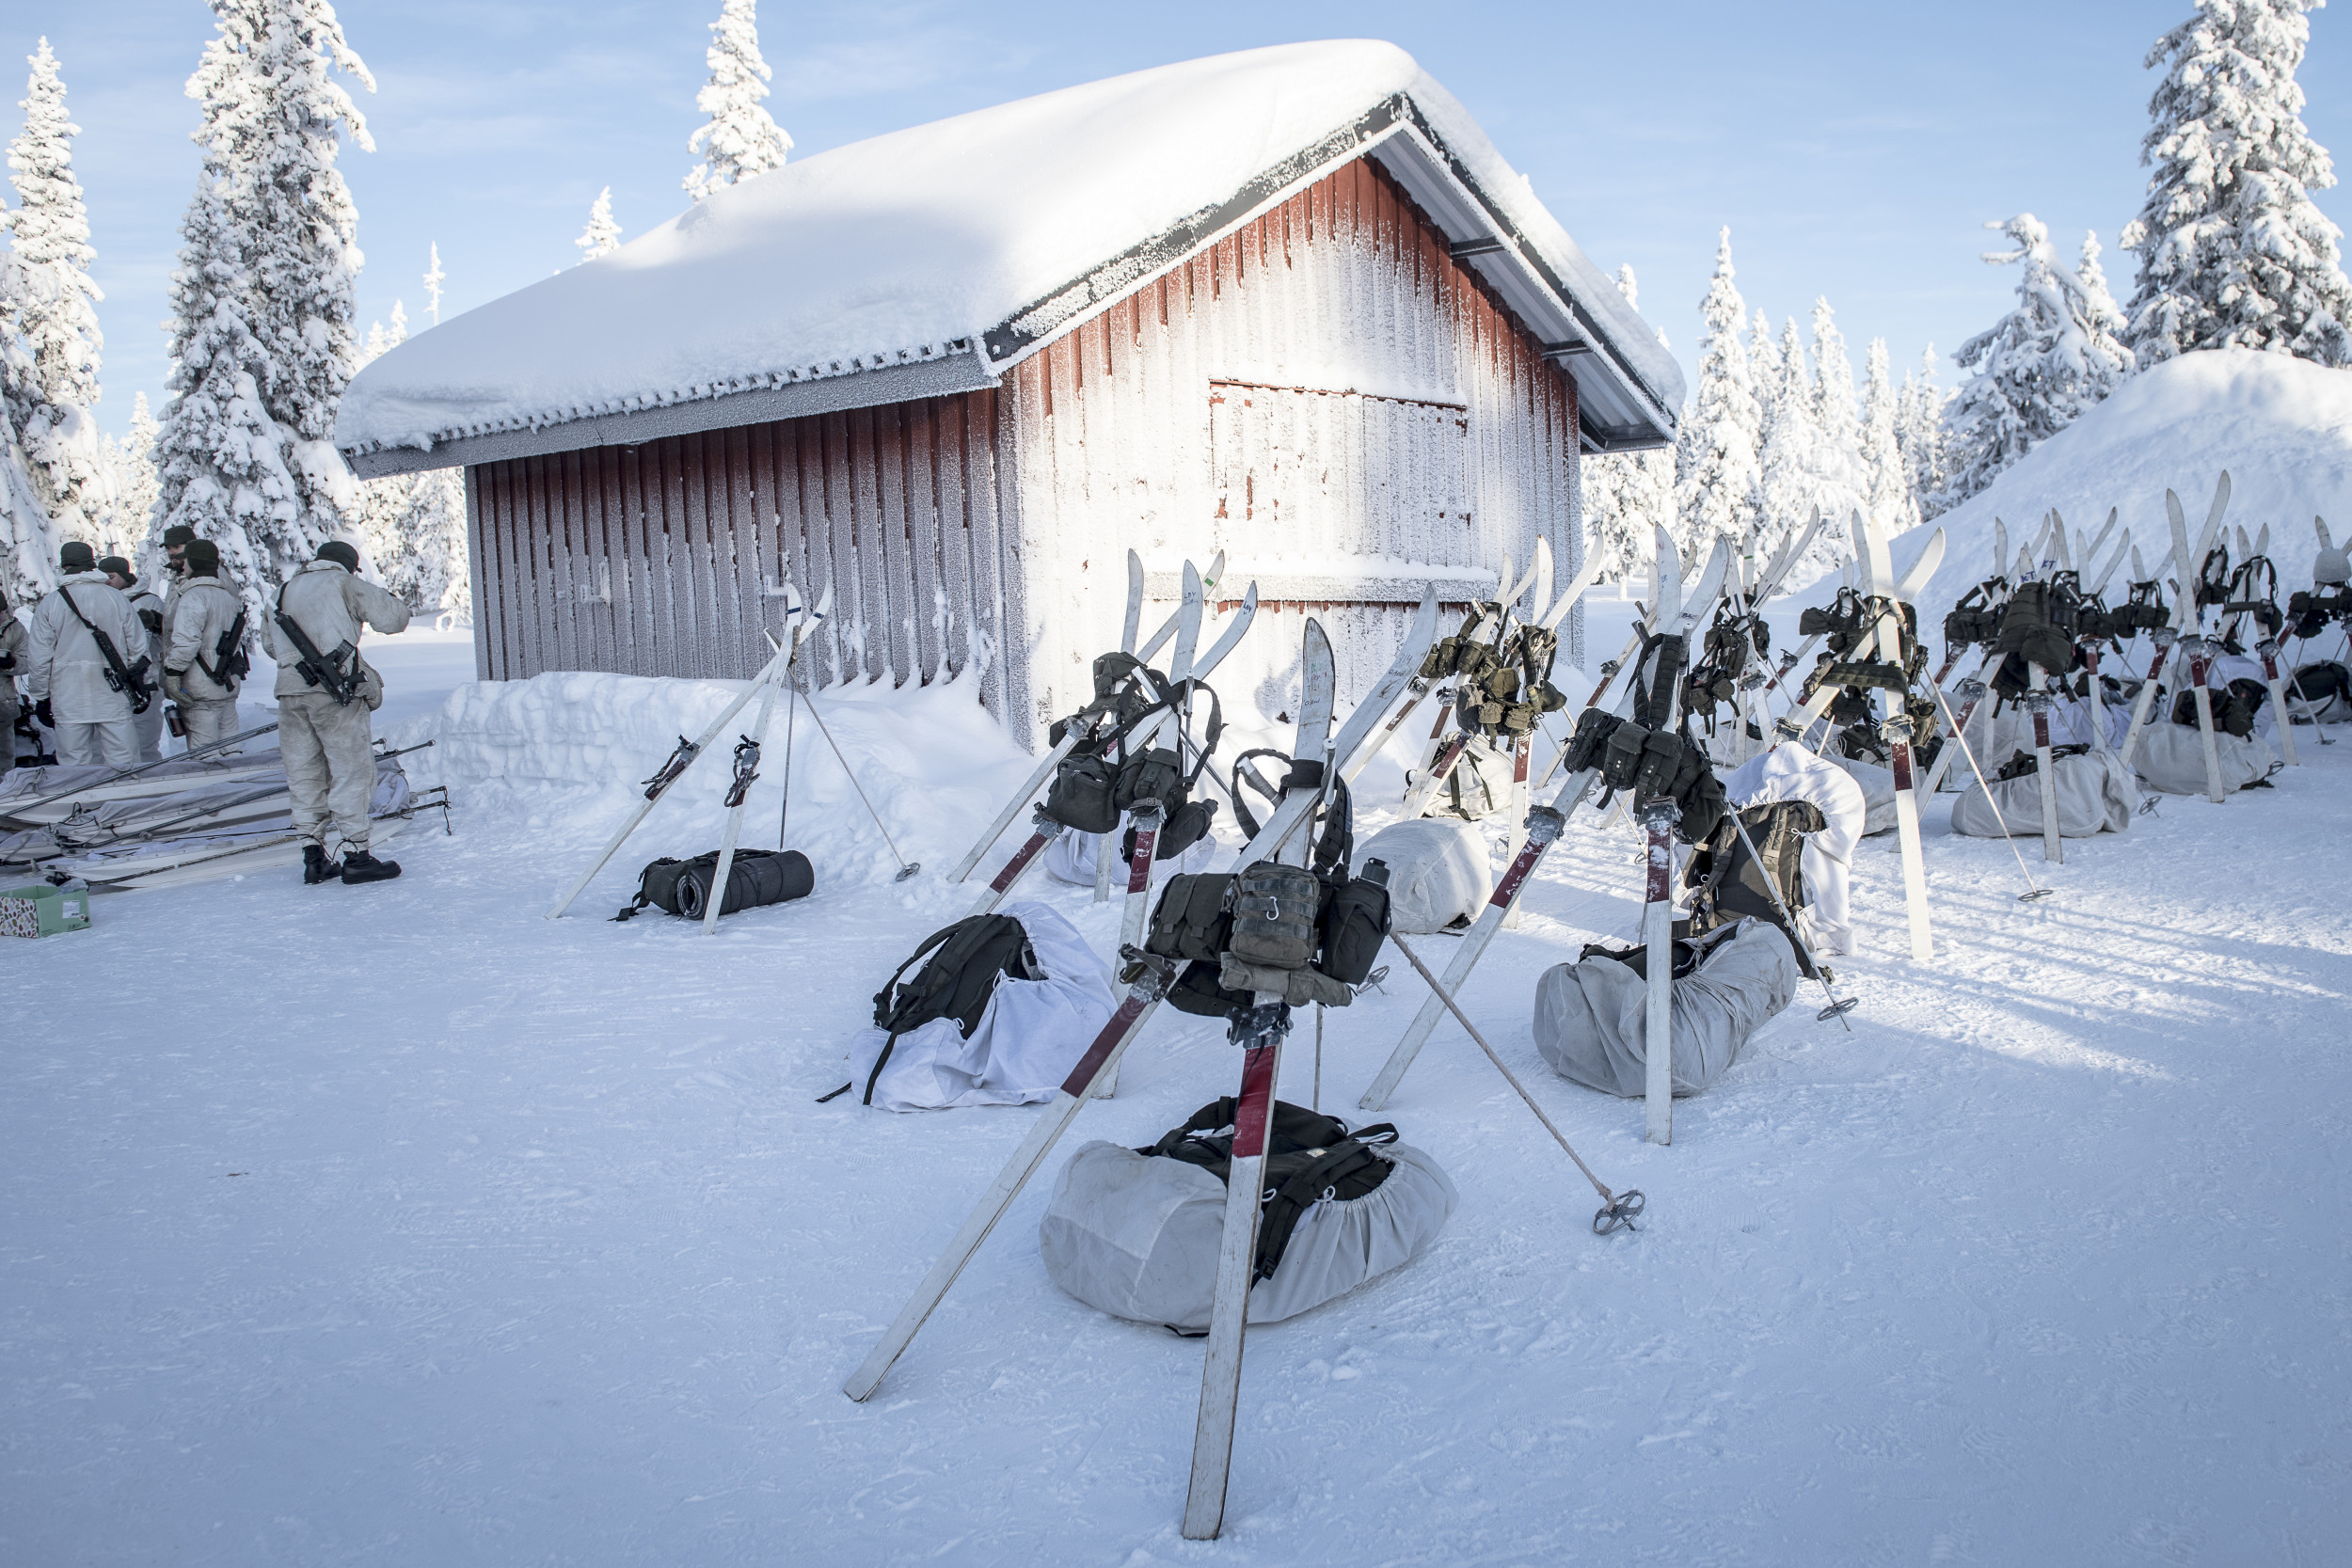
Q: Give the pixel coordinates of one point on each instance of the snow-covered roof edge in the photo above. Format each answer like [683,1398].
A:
[1402,136]
[1422,137]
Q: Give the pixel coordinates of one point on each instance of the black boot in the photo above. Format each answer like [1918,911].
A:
[360,866]
[316,867]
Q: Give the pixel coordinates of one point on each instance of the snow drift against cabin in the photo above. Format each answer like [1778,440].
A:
[907,246]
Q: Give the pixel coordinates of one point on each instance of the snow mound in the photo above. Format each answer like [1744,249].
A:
[2281,426]
[565,755]
[907,248]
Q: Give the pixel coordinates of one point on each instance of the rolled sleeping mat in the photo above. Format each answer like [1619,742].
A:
[757,878]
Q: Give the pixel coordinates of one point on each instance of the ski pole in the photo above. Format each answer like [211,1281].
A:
[906,867]
[1820,971]
[1969,753]
[1620,1210]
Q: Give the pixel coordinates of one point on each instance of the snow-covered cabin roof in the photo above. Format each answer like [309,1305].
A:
[930,260]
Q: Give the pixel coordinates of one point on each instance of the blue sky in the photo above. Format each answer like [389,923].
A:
[1855,149]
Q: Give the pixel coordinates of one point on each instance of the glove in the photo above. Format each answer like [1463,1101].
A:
[42,712]
[176,686]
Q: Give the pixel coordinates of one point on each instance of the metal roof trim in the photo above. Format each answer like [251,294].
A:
[939,377]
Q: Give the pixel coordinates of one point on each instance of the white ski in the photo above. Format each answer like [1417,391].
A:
[690,752]
[1146,985]
[1129,627]
[2197,651]
[1147,817]
[1897,726]
[1260,1034]
[1445,752]
[740,793]
[1543,826]
[2184,606]
[1658,819]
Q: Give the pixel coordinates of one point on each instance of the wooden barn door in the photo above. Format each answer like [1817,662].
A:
[1331,499]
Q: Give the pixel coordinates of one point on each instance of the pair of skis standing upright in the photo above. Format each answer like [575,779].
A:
[1321,759]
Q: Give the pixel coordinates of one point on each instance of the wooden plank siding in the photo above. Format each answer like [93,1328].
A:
[1326,393]
[658,559]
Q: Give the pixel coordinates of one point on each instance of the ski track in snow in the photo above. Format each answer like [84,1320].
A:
[401,1225]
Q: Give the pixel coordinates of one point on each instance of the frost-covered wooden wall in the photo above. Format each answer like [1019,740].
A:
[1327,395]
[666,558]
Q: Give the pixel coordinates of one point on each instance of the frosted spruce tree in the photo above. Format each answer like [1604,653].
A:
[1843,471]
[1919,429]
[220,460]
[1887,489]
[1626,494]
[601,237]
[130,458]
[263,328]
[2232,250]
[56,314]
[26,548]
[1716,494]
[434,278]
[412,526]
[2037,369]
[738,141]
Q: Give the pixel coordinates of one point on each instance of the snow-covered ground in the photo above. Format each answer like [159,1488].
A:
[401,1225]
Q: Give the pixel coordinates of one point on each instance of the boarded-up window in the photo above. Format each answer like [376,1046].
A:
[1309,479]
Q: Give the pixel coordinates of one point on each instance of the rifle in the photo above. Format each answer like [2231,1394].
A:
[130,679]
[228,655]
[327,670]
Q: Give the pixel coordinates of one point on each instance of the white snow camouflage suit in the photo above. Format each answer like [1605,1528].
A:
[94,722]
[325,743]
[201,611]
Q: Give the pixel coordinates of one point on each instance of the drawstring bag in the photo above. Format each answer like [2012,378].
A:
[1135,1232]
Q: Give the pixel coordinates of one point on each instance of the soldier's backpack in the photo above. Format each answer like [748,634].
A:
[967,960]
[1728,884]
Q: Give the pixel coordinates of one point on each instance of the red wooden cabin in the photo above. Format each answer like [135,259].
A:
[956,371]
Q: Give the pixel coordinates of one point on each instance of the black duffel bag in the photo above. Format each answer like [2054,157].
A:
[757,877]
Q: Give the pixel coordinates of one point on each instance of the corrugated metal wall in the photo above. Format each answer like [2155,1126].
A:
[1326,394]
[667,558]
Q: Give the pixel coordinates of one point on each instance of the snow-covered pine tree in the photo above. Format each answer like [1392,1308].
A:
[1919,427]
[1764,370]
[265,301]
[738,141]
[434,277]
[2102,320]
[411,527]
[1716,467]
[1626,494]
[1844,472]
[26,550]
[1791,460]
[220,460]
[132,458]
[1888,497]
[2037,369]
[602,236]
[56,313]
[2231,250]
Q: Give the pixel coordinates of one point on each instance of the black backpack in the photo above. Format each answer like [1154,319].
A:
[2235,706]
[1309,1157]
[1730,885]
[956,982]
[756,878]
